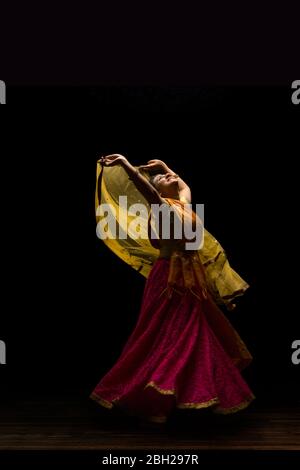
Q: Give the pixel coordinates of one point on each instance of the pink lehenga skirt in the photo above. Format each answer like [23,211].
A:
[183,353]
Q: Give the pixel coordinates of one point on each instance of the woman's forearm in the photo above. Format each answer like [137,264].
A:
[142,184]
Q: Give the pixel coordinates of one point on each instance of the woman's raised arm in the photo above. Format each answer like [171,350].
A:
[142,184]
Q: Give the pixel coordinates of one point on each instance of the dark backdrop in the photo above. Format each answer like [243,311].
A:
[236,147]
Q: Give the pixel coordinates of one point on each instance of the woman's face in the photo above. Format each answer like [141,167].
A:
[166,184]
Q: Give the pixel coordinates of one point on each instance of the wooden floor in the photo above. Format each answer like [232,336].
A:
[74,426]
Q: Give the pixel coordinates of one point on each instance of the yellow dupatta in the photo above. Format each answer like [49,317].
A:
[222,281]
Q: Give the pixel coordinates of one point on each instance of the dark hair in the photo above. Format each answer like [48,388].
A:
[151,179]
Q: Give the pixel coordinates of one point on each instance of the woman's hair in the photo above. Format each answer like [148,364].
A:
[151,180]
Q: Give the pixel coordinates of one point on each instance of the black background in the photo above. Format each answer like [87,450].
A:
[68,304]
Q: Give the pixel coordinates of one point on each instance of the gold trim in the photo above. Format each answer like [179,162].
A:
[160,390]
[101,401]
[234,409]
[212,402]
[237,293]
[204,404]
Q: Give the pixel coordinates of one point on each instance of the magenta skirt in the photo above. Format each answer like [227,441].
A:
[182,353]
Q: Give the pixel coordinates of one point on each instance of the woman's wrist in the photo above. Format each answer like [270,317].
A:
[126,165]
[166,169]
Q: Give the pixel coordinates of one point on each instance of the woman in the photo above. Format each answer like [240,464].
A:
[183,352]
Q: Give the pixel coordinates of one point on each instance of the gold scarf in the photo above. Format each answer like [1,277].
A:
[206,269]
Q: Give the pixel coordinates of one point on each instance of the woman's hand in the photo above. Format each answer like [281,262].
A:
[154,166]
[112,160]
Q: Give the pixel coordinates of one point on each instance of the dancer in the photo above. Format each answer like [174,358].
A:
[183,352]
